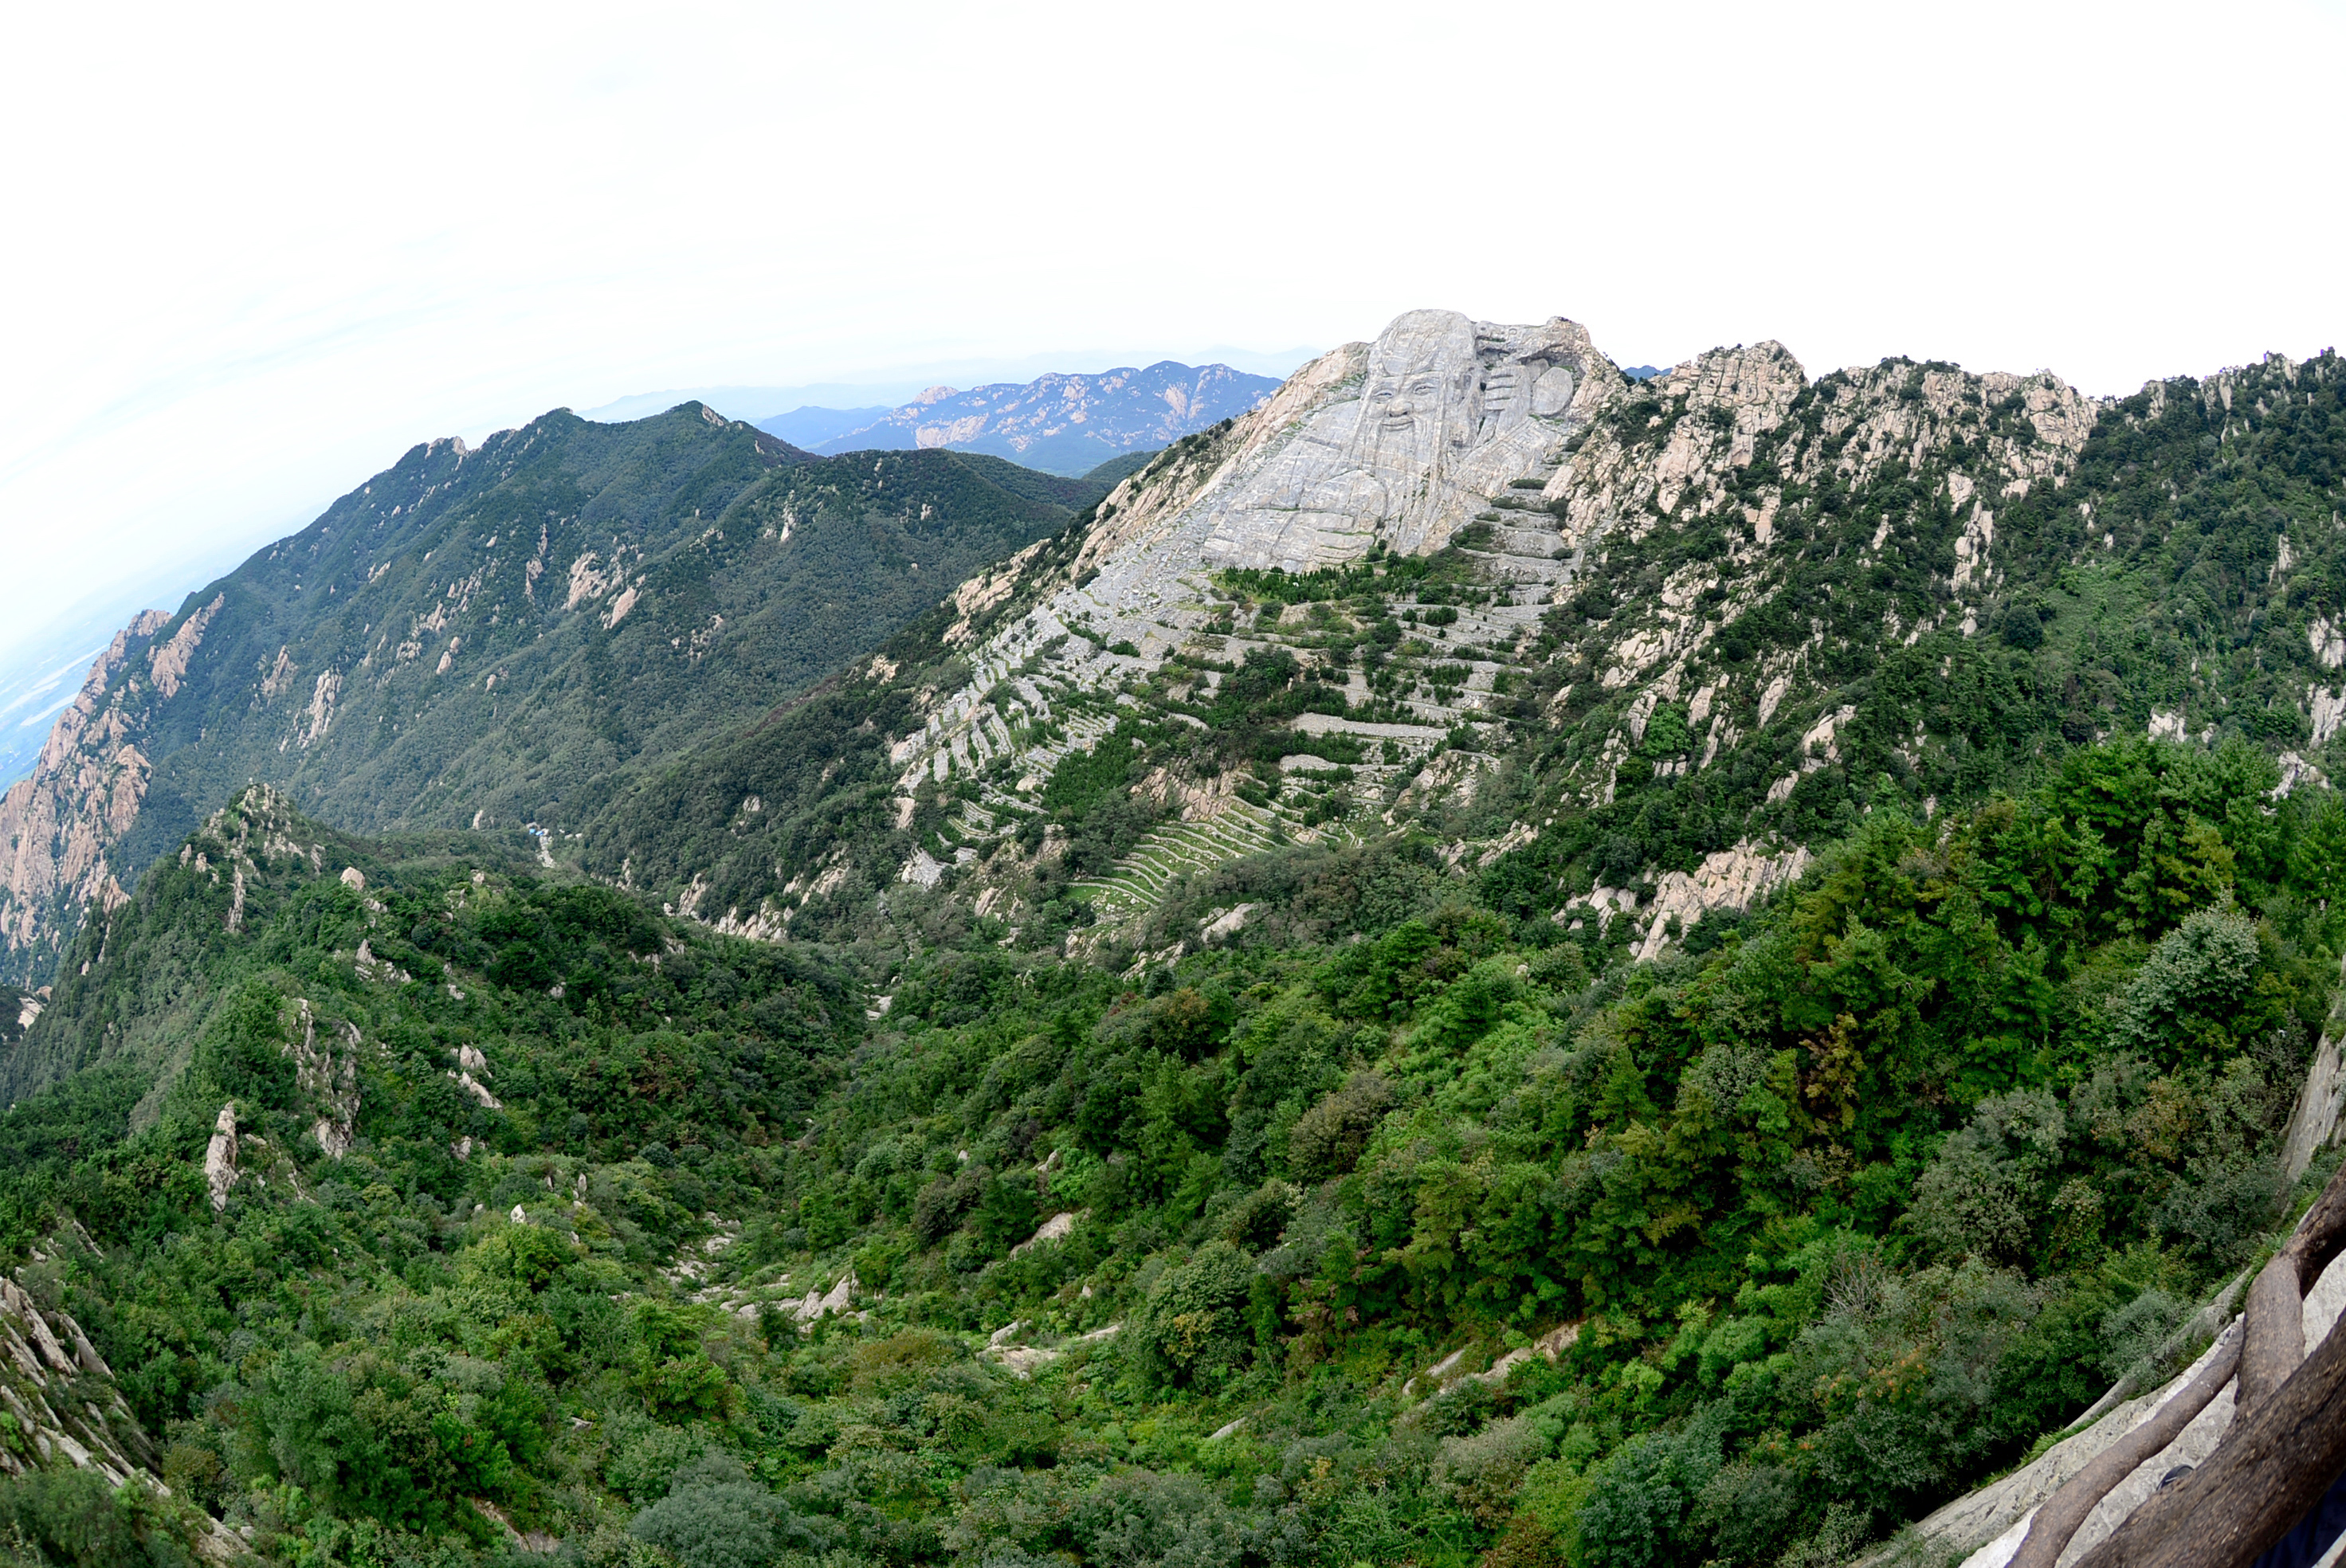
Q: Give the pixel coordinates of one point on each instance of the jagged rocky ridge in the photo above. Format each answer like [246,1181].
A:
[63,1411]
[1682,630]
[1701,617]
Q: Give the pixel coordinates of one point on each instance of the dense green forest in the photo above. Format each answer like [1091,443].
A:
[1841,1215]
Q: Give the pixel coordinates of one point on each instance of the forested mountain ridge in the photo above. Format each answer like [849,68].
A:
[493,636]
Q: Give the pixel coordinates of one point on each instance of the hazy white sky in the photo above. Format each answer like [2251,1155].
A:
[254,254]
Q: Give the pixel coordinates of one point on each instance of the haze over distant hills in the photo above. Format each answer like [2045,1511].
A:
[754,404]
[806,426]
[32,694]
[40,672]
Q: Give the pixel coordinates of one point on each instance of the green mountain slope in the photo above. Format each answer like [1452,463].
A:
[417,1014]
[496,638]
[2182,578]
[1117,468]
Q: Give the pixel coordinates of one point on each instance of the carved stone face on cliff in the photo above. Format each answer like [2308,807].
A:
[1446,405]
[1421,397]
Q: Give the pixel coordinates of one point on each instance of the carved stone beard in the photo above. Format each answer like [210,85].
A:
[1418,414]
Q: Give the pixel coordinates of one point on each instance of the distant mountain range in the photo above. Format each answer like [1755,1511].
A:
[809,426]
[875,393]
[1059,423]
[752,404]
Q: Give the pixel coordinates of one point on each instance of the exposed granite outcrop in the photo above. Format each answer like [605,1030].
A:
[1722,439]
[1397,442]
[1733,879]
[60,1410]
[1531,435]
[56,826]
[219,1158]
[327,1078]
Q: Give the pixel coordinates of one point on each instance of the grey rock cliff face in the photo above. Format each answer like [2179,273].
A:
[1445,412]
[1398,443]
[56,827]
